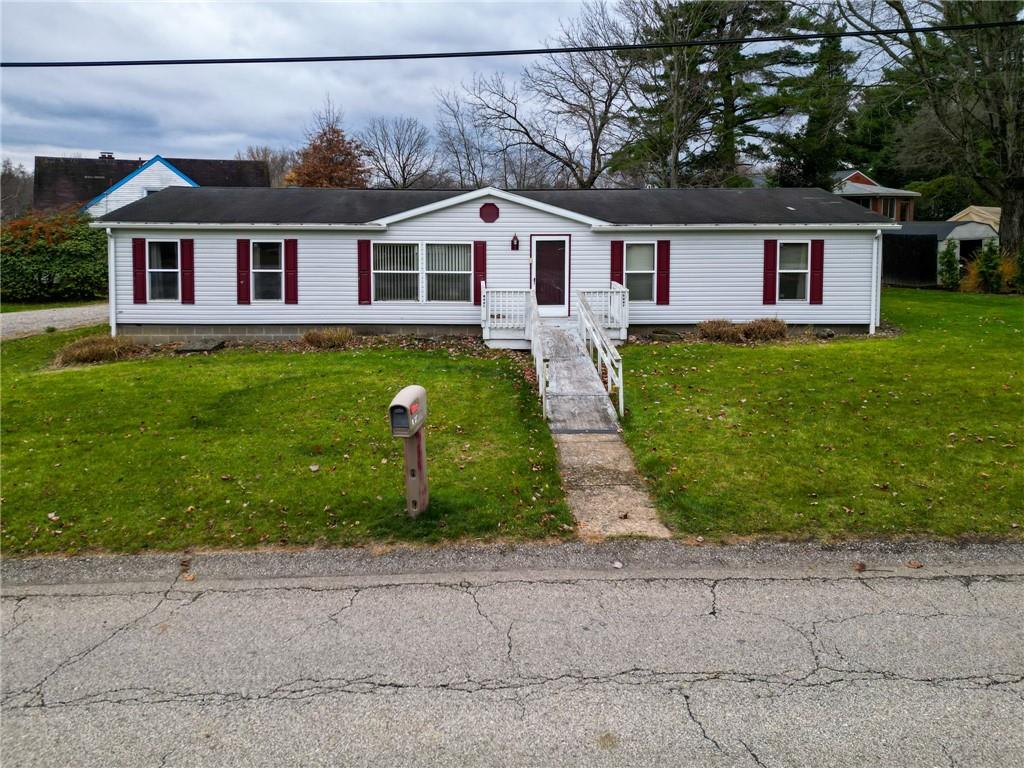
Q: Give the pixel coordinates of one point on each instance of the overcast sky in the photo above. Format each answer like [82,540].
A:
[211,111]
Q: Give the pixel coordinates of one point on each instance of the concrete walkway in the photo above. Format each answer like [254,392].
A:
[14,325]
[684,656]
[605,493]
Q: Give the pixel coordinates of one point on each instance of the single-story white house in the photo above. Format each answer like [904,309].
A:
[226,262]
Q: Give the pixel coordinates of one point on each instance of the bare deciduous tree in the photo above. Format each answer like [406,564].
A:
[401,151]
[568,107]
[279,161]
[15,190]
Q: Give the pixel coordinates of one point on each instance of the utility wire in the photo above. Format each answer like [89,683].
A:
[514,51]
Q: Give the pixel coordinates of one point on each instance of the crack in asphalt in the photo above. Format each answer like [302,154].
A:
[753,755]
[700,725]
[822,674]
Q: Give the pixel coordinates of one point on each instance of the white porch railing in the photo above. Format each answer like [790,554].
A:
[503,308]
[601,351]
[610,308]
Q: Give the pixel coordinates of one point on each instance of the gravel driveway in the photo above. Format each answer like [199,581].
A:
[14,325]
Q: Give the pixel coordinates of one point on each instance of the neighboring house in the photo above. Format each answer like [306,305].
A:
[910,257]
[897,204]
[982,214]
[104,184]
[274,262]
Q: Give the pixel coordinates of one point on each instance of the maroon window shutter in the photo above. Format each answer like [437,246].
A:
[617,262]
[363,251]
[291,271]
[242,259]
[188,271]
[664,248]
[139,270]
[771,266]
[817,271]
[479,268]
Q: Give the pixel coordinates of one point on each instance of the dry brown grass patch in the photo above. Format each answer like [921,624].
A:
[765,329]
[328,338]
[720,330]
[98,349]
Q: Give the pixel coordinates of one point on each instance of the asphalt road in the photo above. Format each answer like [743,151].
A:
[526,656]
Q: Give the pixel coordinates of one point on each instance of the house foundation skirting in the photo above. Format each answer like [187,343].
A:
[159,333]
[795,329]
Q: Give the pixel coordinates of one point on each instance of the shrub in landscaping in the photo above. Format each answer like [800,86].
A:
[97,349]
[720,330]
[949,267]
[52,257]
[764,329]
[328,338]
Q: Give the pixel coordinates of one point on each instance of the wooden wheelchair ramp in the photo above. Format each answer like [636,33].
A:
[575,400]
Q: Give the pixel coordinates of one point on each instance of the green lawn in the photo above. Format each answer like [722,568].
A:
[9,306]
[172,452]
[922,433]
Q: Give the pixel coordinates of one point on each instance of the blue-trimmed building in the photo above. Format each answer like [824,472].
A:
[101,185]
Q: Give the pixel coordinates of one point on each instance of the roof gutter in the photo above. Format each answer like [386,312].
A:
[209,225]
[745,226]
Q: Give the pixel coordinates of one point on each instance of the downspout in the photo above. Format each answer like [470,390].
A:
[875,281]
[111,282]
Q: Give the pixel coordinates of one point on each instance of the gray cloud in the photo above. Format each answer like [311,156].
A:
[213,111]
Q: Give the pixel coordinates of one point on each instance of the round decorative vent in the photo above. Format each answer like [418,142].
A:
[489,212]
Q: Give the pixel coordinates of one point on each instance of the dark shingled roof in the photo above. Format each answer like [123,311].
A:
[940,229]
[209,205]
[61,182]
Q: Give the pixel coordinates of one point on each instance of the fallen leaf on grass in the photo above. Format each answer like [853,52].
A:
[314,467]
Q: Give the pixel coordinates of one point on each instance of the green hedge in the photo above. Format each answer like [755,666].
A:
[52,258]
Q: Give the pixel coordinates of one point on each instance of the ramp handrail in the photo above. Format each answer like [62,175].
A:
[540,363]
[601,351]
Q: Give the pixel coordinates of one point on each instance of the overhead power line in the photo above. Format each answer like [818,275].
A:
[511,52]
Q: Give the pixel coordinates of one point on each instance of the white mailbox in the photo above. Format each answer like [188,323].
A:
[408,414]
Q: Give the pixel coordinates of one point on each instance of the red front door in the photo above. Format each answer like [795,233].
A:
[550,264]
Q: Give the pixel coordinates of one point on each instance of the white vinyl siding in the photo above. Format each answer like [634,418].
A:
[713,274]
[156,177]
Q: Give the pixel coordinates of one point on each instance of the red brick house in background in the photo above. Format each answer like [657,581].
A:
[897,204]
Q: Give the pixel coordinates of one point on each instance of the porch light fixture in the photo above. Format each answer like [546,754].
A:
[515,242]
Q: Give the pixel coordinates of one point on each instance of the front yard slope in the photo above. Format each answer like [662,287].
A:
[921,433]
[244,447]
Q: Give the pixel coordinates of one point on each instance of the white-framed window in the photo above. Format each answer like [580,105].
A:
[889,207]
[396,271]
[794,269]
[267,270]
[163,270]
[639,271]
[423,272]
[449,272]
